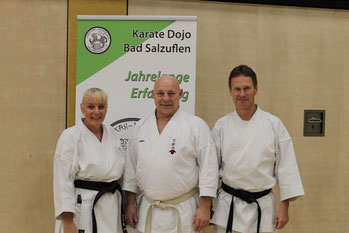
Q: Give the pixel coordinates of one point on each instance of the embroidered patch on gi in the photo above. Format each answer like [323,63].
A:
[78,199]
[172,150]
[81,231]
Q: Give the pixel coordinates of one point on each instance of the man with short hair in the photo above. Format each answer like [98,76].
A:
[171,158]
[255,152]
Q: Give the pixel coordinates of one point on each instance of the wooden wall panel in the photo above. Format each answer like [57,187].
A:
[33,62]
[32,100]
[300,56]
[84,7]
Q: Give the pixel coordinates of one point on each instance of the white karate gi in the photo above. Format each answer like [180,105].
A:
[254,155]
[163,175]
[81,156]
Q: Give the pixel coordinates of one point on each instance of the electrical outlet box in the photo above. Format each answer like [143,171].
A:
[314,123]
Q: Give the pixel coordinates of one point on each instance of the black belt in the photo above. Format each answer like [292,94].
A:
[102,188]
[247,197]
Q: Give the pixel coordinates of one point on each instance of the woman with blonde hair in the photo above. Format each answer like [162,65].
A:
[88,163]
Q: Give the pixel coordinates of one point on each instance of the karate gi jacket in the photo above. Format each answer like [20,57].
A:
[254,155]
[169,164]
[81,156]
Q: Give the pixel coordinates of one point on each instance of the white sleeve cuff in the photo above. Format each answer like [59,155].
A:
[208,192]
[67,207]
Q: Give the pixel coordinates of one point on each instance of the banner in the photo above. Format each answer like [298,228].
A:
[125,55]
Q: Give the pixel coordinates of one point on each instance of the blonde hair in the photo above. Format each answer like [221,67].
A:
[98,94]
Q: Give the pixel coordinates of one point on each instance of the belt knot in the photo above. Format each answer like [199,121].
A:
[164,204]
[161,205]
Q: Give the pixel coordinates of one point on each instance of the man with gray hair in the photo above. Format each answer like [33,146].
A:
[172,159]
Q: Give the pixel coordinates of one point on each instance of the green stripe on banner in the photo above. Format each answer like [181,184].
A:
[121,32]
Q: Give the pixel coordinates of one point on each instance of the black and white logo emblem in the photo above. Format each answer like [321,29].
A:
[123,128]
[97,40]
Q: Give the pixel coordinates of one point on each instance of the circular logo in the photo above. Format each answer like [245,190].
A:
[123,128]
[97,40]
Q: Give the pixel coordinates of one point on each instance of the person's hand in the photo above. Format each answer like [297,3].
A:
[68,223]
[202,215]
[281,216]
[131,211]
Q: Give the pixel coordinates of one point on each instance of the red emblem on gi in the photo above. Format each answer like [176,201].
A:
[172,152]
[173,149]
